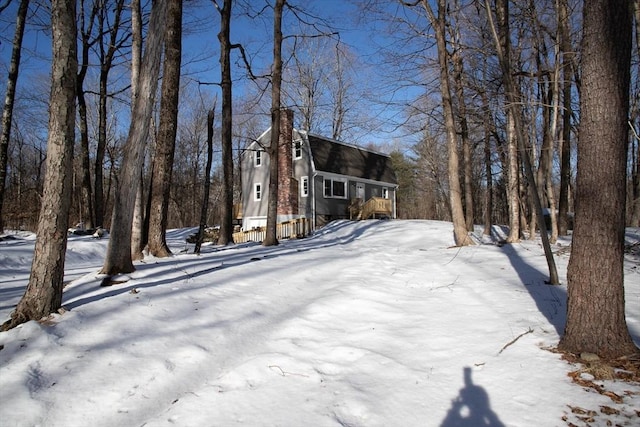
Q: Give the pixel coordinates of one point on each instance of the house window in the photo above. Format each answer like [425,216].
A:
[304,186]
[258,158]
[385,193]
[334,188]
[257,192]
[297,149]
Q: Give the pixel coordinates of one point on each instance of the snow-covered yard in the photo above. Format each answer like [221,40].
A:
[373,323]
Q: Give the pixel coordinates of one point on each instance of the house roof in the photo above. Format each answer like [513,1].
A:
[335,157]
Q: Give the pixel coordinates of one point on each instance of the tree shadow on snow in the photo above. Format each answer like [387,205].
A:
[551,300]
[471,408]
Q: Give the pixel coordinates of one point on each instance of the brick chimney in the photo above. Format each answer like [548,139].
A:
[287,184]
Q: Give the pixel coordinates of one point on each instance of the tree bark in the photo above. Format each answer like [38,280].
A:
[118,258]
[458,78]
[596,305]
[106,62]
[87,213]
[460,233]
[226,224]
[204,209]
[44,291]
[276,85]
[9,99]
[565,144]
[165,146]
[513,98]
[139,229]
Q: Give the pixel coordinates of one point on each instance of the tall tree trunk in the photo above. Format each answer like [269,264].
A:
[513,181]
[204,209]
[438,23]
[276,85]
[106,62]
[87,213]
[513,98]
[488,168]
[118,258]
[565,144]
[139,231]
[44,291]
[596,313]
[165,146]
[226,224]
[7,111]
[634,221]
[458,78]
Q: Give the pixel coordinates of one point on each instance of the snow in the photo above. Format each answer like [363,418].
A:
[371,323]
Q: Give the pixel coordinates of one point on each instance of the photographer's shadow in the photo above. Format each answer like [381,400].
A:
[471,407]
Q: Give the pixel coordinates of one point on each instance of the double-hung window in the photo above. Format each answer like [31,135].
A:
[335,188]
[297,149]
[304,186]
[257,158]
[257,191]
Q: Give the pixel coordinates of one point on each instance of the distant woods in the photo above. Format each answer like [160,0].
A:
[456,153]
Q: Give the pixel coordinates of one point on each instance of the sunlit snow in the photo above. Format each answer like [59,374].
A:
[372,323]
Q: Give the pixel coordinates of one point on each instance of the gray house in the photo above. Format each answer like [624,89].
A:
[319,179]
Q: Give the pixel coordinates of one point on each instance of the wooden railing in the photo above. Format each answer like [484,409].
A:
[294,229]
[376,206]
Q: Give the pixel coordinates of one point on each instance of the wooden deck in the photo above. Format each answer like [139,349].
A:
[375,207]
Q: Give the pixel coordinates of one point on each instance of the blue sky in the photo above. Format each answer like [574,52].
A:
[201,47]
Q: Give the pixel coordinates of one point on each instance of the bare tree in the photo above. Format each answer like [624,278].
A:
[107,52]
[9,99]
[207,182]
[595,313]
[439,24]
[502,43]
[567,111]
[139,232]
[273,149]
[226,224]
[87,40]
[44,291]
[118,258]
[165,145]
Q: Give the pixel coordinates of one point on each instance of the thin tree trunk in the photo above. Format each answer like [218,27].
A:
[226,224]
[596,304]
[168,128]
[87,213]
[118,258]
[513,181]
[488,168]
[44,291]
[460,233]
[502,10]
[565,142]
[138,240]
[106,62]
[9,99]
[276,84]
[458,78]
[204,209]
